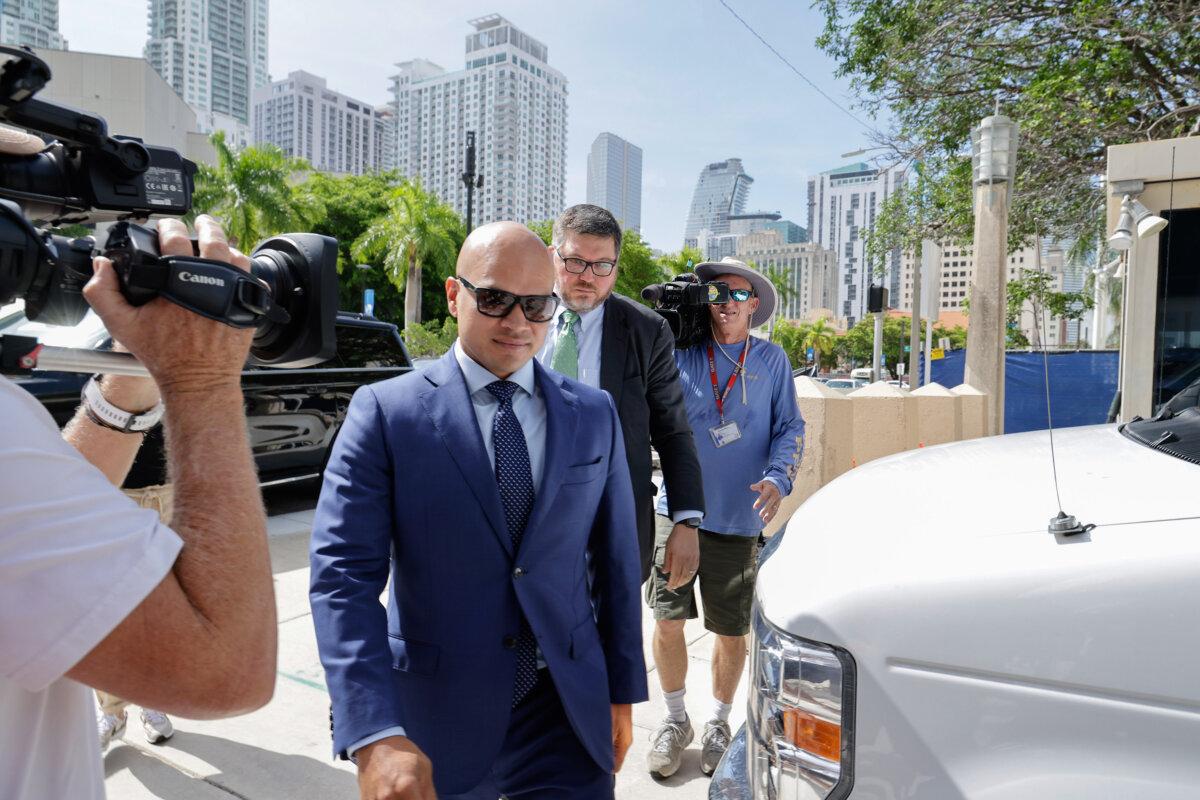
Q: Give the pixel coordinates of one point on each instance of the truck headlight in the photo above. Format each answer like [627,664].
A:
[800,730]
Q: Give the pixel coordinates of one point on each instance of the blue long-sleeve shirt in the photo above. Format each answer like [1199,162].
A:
[772,431]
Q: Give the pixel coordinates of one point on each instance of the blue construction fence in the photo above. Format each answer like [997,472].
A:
[1082,386]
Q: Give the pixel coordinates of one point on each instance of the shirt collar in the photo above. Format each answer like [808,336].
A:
[478,377]
[586,319]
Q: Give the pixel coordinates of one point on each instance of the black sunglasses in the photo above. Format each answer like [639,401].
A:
[498,303]
[741,295]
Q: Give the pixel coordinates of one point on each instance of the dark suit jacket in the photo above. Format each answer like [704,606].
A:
[637,367]
[410,492]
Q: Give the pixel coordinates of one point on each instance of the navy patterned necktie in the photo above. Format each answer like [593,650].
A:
[515,478]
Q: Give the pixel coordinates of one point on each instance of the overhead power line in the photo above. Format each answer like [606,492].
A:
[793,68]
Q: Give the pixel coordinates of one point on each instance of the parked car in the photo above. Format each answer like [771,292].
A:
[293,414]
[845,384]
[950,646]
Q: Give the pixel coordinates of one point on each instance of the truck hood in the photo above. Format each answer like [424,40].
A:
[913,515]
[990,652]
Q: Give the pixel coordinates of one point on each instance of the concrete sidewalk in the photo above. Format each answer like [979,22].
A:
[283,750]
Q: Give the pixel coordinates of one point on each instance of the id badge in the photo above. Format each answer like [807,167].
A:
[724,434]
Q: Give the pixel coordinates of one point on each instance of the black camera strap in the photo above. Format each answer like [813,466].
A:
[213,289]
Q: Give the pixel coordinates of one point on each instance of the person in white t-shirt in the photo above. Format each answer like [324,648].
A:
[86,576]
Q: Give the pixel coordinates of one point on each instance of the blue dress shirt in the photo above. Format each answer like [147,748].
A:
[588,334]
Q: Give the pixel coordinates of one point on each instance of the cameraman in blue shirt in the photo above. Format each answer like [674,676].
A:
[741,404]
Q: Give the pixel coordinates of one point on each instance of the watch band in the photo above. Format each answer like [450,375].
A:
[691,522]
[107,415]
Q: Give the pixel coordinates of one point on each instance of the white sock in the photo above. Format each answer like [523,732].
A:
[721,710]
[676,710]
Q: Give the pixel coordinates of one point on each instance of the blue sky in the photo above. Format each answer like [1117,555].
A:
[682,79]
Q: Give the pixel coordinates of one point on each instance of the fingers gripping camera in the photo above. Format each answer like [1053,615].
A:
[85,175]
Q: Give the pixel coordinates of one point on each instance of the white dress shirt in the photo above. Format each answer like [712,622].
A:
[588,333]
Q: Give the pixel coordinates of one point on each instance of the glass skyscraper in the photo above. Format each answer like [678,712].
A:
[614,179]
[721,191]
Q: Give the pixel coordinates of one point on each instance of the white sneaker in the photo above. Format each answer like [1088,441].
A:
[157,726]
[110,727]
[668,744]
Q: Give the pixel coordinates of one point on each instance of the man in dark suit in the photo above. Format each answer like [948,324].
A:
[489,488]
[613,343]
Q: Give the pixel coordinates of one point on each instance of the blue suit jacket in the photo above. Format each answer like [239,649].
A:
[409,489]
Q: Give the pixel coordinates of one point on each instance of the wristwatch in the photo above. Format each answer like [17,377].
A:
[107,415]
[691,522]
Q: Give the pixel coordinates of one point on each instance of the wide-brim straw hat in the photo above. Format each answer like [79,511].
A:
[764,290]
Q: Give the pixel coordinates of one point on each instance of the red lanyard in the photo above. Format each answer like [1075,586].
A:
[712,373]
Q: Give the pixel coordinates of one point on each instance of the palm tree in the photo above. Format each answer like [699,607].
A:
[821,338]
[417,231]
[252,192]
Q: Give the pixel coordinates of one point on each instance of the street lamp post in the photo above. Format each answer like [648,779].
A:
[994,161]
[471,180]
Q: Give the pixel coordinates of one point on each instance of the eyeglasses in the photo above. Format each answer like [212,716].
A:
[741,295]
[499,303]
[577,266]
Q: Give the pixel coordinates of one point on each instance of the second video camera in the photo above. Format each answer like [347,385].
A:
[684,304]
[85,175]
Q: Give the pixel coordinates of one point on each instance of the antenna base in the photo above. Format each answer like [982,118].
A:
[1066,525]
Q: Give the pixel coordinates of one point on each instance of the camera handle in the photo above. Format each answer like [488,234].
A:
[20,355]
[212,289]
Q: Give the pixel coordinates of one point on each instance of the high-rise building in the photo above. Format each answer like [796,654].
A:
[957,269]
[810,271]
[721,191]
[213,52]
[385,138]
[614,179]
[304,118]
[516,104]
[842,205]
[33,23]
[755,221]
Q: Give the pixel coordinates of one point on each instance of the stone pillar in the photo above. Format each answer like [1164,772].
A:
[885,421]
[939,415]
[828,425]
[974,411]
[986,333]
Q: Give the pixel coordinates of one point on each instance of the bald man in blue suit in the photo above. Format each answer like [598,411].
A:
[496,496]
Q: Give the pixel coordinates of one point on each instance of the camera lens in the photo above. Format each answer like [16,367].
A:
[301,271]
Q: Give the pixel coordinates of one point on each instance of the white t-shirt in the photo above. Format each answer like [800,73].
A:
[76,557]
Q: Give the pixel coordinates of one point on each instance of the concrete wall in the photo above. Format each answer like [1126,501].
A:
[842,430]
[828,425]
[939,415]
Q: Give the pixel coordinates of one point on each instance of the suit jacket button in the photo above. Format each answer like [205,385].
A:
[518,572]
[509,642]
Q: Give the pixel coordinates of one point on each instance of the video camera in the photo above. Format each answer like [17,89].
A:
[684,303]
[84,175]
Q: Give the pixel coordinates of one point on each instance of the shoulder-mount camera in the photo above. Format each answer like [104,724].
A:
[84,175]
[684,303]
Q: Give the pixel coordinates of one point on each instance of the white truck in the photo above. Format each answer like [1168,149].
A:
[948,645]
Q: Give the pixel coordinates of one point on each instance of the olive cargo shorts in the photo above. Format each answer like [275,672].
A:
[728,566]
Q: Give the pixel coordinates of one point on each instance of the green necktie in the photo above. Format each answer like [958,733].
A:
[566,349]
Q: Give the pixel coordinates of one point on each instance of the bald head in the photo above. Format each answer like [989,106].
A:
[503,257]
[504,243]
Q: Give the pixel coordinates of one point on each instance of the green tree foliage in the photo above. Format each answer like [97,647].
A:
[351,203]
[417,233]
[796,338]
[1078,75]
[685,260]
[638,267]
[431,339]
[253,193]
[1036,290]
